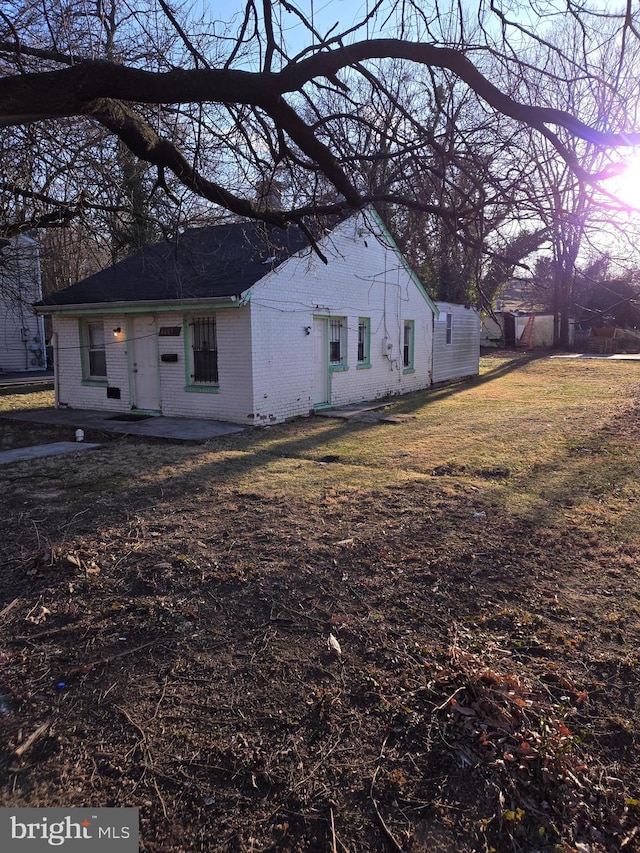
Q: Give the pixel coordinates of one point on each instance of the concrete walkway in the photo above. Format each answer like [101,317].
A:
[27,377]
[616,356]
[20,454]
[178,429]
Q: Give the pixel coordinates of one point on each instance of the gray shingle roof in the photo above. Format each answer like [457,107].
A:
[217,261]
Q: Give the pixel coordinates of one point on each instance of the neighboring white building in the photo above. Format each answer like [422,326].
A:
[22,342]
[456,342]
[530,329]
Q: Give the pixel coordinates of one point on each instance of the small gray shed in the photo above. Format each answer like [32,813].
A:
[456,342]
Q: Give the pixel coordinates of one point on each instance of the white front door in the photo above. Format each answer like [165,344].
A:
[143,348]
[320,362]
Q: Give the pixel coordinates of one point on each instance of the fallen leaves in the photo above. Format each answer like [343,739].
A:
[38,614]
[334,646]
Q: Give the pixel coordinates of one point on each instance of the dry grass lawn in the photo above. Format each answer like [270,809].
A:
[165,612]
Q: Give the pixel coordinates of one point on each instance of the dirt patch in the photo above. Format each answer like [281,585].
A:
[15,434]
[178,661]
[165,640]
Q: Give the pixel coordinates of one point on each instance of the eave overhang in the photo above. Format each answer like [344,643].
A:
[142,307]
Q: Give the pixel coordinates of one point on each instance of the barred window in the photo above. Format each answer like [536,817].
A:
[336,341]
[363,340]
[407,347]
[205,349]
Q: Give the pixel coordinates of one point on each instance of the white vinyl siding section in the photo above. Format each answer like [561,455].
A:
[456,342]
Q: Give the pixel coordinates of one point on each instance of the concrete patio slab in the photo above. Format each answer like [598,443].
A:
[20,454]
[369,413]
[352,410]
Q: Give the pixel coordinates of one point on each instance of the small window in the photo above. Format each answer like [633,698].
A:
[449,327]
[364,337]
[337,342]
[205,350]
[407,345]
[96,357]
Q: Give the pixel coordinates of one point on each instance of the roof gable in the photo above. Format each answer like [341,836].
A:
[405,263]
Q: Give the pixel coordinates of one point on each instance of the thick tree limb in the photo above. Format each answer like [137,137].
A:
[146,144]
[68,92]
[143,141]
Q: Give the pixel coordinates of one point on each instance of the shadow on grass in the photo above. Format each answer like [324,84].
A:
[25,389]
[417,400]
[591,481]
[581,473]
[403,404]
[256,449]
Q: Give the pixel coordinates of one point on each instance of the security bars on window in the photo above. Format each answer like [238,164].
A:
[205,349]
[362,341]
[406,349]
[335,341]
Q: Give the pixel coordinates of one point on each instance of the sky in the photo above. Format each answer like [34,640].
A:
[326,14]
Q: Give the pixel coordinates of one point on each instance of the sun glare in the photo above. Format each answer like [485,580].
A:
[626,184]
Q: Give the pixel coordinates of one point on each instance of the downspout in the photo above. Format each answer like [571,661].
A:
[56,390]
[433,339]
[43,342]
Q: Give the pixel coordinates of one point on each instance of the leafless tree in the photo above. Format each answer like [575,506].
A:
[219,108]
[576,214]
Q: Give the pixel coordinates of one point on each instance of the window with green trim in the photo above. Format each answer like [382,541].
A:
[95,356]
[204,346]
[337,342]
[407,345]
[364,338]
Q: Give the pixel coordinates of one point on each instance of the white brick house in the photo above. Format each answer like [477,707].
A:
[246,324]
[22,343]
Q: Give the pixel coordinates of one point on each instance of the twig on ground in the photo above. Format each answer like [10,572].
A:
[387,832]
[87,667]
[319,764]
[334,849]
[28,743]
[164,690]
[8,608]
[161,798]
[148,762]
[52,632]
[139,729]
[447,701]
